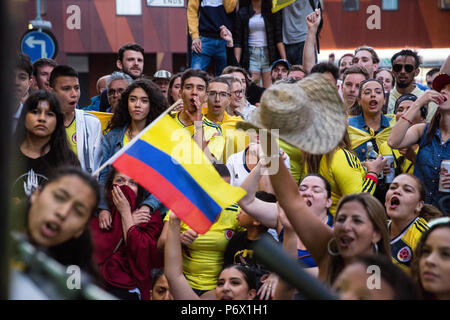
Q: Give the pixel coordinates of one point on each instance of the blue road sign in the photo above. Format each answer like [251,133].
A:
[39,44]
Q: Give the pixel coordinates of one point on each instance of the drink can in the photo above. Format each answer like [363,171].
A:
[388,178]
[445,167]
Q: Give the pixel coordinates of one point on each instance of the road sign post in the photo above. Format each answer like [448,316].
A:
[39,44]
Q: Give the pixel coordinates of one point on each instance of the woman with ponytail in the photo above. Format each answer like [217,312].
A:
[408,217]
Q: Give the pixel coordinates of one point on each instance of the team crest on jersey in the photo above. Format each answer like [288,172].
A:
[404,255]
[74,138]
[229,234]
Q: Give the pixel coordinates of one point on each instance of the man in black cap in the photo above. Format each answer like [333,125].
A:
[280,70]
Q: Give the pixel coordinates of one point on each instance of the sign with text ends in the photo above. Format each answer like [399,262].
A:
[39,44]
[166,3]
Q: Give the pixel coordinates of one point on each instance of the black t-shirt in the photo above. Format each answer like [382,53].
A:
[240,251]
[30,173]
[254,93]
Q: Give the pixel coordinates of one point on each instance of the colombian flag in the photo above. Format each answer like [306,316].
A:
[166,161]
[277,5]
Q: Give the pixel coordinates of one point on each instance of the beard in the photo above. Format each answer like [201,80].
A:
[403,85]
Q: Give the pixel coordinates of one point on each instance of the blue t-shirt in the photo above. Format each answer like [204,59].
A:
[303,255]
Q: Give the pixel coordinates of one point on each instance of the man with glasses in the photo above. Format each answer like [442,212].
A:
[117,83]
[207,134]
[405,67]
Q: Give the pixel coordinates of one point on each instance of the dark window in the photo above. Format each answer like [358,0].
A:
[350,5]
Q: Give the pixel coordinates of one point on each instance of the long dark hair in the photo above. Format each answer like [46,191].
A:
[158,104]
[58,143]
[432,127]
[266,7]
[171,82]
[248,273]
[418,253]
[75,251]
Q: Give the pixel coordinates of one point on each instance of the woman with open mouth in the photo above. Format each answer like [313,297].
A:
[57,217]
[371,125]
[408,217]
[360,226]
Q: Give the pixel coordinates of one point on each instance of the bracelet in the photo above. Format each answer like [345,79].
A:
[374,173]
[372,178]
[410,122]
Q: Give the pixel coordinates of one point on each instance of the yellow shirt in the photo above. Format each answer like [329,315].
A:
[212,133]
[295,156]
[71,132]
[345,175]
[407,166]
[403,245]
[235,139]
[203,258]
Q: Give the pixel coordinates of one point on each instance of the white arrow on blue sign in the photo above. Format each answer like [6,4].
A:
[38,45]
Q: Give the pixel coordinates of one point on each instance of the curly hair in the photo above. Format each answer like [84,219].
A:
[158,103]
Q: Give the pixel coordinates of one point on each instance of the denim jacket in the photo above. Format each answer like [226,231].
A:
[359,123]
[113,142]
[428,165]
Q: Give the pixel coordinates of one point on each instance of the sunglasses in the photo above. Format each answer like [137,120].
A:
[398,67]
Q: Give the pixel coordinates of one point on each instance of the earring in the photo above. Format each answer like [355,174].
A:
[331,252]
[376,248]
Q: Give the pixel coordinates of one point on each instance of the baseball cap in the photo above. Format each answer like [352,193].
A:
[162,74]
[283,61]
[440,81]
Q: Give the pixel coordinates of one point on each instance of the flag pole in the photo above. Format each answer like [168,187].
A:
[125,148]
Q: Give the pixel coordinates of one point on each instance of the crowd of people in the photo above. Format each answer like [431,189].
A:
[330,204]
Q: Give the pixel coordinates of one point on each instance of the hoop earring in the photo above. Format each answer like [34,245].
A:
[376,248]
[331,252]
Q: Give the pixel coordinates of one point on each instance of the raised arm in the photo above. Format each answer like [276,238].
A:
[284,291]
[403,134]
[312,232]
[173,263]
[309,55]
[263,211]
[446,66]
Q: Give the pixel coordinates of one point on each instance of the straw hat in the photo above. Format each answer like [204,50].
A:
[309,114]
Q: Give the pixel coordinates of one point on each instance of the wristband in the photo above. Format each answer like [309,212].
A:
[368,176]
[410,122]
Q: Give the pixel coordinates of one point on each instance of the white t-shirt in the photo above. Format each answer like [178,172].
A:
[239,170]
[257,31]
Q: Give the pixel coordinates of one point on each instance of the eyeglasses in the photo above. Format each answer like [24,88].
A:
[222,94]
[398,67]
[238,92]
[112,92]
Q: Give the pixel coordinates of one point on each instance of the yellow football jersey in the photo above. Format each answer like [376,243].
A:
[203,258]
[71,132]
[403,245]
